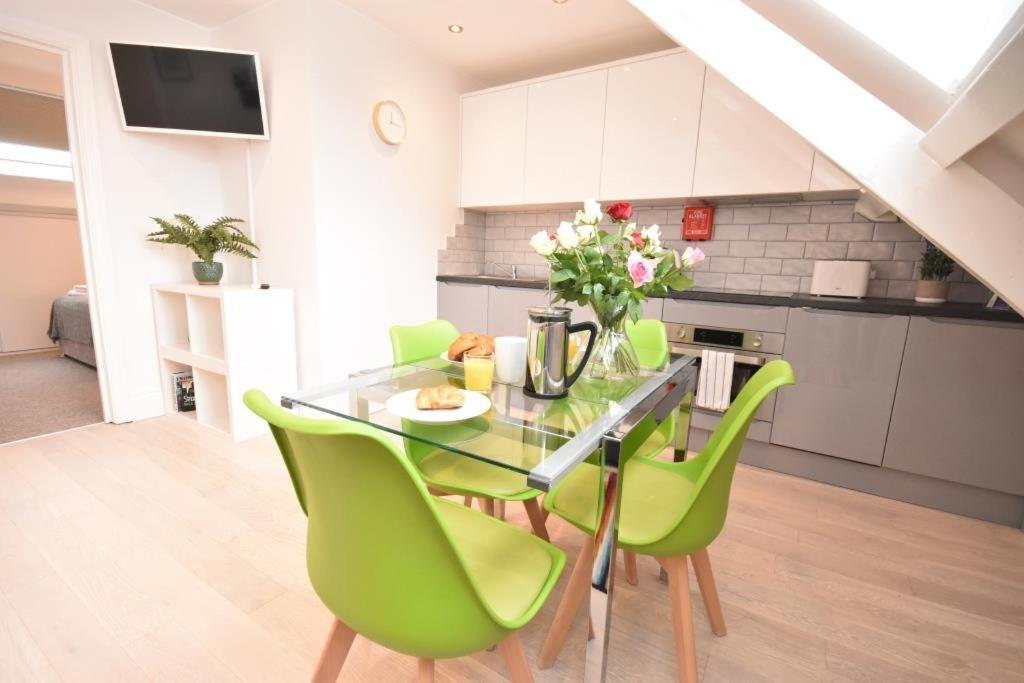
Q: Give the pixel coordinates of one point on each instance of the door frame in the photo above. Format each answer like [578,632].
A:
[83,141]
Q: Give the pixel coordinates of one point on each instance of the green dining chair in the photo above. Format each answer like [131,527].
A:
[671,511]
[447,473]
[419,575]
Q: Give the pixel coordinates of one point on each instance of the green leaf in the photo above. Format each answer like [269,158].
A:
[562,275]
[679,281]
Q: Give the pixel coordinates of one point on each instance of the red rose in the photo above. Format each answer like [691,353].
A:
[620,211]
[637,238]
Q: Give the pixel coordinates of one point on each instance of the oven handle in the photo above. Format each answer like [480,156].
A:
[740,358]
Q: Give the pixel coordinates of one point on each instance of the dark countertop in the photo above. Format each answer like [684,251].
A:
[886,306]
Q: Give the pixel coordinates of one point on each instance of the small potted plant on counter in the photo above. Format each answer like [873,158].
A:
[222,235]
[932,288]
[613,272]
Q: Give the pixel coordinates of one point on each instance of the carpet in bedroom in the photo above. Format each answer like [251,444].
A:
[41,393]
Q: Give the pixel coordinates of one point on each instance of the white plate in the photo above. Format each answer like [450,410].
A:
[444,356]
[404,405]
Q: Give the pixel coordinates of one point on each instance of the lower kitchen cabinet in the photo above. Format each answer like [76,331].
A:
[959,411]
[464,306]
[506,309]
[846,367]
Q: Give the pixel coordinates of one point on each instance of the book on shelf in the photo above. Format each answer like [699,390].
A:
[184,391]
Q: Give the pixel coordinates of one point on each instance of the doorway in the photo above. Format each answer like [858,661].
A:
[48,377]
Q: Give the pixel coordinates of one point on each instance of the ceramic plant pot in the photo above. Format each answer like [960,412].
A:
[931,291]
[207,273]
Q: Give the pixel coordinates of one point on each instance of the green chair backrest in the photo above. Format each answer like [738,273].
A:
[378,554]
[702,516]
[410,343]
[650,341]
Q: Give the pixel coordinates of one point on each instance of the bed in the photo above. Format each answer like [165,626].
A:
[71,327]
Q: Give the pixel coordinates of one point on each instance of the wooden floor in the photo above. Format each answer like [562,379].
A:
[160,550]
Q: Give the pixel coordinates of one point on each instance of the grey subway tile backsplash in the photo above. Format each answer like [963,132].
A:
[766,246]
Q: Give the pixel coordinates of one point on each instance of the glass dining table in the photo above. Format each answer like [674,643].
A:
[544,440]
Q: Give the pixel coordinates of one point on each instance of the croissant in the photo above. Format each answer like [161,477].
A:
[470,341]
[444,397]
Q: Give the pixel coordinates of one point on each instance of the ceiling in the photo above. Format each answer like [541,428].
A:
[503,40]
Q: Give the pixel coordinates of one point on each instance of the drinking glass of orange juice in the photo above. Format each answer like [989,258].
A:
[479,369]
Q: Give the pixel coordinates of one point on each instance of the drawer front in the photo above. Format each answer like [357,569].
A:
[735,316]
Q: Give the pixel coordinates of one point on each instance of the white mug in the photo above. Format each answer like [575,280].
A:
[510,359]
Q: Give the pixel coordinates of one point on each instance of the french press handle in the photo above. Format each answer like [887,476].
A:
[591,338]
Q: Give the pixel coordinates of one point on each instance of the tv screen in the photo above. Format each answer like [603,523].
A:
[188,90]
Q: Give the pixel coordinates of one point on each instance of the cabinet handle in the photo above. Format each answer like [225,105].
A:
[863,314]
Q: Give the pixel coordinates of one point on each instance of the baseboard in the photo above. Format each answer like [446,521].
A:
[960,499]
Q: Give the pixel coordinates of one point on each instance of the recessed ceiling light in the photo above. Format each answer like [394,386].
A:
[455,28]
[559,2]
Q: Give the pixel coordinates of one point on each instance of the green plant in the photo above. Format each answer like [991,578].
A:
[935,265]
[219,236]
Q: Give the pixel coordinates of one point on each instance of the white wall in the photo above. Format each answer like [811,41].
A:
[382,212]
[142,175]
[283,166]
[352,224]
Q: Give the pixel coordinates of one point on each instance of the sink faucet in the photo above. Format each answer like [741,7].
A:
[511,270]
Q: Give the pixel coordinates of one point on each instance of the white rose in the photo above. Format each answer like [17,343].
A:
[566,235]
[543,244]
[692,256]
[586,233]
[652,233]
[591,212]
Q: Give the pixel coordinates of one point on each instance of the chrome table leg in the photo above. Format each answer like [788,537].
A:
[602,578]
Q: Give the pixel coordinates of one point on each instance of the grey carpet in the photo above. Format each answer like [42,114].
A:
[41,393]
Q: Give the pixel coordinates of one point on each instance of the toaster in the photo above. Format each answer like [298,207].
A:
[841,278]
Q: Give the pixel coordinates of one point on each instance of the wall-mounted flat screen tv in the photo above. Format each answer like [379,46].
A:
[195,91]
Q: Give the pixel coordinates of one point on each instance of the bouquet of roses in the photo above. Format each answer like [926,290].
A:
[614,271]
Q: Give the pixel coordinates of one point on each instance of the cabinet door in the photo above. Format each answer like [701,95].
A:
[846,367]
[650,129]
[743,149]
[827,176]
[493,147]
[564,132]
[463,305]
[959,406]
[506,309]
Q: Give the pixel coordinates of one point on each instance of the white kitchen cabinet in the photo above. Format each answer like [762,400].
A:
[742,149]
[564,133]
[507,309]
[650,132]
[463,305]
[493,147]
[825,175]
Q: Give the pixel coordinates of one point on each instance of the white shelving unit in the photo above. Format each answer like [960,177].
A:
[232,338]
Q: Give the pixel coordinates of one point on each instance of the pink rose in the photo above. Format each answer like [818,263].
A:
[692,256]
[641,270]
[636,238]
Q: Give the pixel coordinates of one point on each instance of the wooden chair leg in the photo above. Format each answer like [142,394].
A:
[467,501]
[515,659]
[575,592]
[425,671]
[536,518]
[682,617]
[632,574]
[708,590]
[332,657]
[488,506]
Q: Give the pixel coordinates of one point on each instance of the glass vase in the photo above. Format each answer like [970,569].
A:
[614,356]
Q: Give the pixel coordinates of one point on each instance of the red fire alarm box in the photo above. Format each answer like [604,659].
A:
[697,221]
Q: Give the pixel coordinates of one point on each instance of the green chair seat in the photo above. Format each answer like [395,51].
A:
[512,568]
[650,501]
[459,474]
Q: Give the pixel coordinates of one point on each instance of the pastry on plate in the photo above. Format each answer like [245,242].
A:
[470,341]
[444,397]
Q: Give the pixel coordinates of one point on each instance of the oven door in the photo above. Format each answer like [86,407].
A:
[744,367]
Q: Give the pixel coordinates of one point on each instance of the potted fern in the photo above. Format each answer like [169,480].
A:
[222,235]
[932,288]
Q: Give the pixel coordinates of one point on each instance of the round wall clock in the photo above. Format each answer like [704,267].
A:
[389,122]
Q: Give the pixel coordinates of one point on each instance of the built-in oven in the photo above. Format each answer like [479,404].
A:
[751,349]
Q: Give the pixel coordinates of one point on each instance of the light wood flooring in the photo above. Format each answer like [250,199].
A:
[160,550]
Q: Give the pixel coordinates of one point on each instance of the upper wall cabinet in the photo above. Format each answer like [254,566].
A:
[650,129]
[742,149]
[564,131]
[493,147]
[827,176]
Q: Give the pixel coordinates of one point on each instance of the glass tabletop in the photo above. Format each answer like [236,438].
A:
[536,437]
